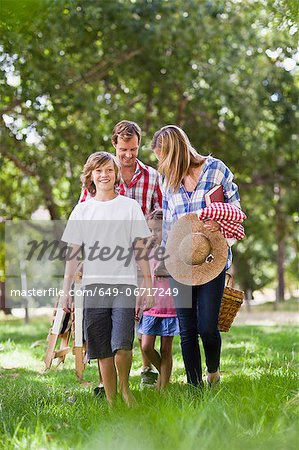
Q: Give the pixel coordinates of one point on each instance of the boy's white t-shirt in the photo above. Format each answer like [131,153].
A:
[107,229]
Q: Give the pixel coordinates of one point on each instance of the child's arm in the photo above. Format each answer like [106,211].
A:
[71,265]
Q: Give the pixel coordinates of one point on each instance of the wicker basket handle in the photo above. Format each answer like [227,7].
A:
[229,280]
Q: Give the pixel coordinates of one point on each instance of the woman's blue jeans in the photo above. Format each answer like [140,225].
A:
[198,315]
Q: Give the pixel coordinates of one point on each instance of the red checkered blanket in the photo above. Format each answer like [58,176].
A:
[228,216]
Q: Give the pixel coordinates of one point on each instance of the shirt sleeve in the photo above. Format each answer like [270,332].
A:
[167,220]
[230,188]
[84,195]
[139,228]
[73,230]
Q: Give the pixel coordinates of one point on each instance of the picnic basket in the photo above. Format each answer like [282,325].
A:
[230,304]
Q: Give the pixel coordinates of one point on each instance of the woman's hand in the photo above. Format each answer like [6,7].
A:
[212,225]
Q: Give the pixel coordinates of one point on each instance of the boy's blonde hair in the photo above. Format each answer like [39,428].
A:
[94,161]
[177,155]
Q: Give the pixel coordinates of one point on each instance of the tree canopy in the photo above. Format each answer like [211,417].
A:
[224,71]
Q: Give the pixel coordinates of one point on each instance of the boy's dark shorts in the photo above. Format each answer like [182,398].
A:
[108,319]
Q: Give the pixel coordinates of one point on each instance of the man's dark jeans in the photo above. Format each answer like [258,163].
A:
[200,317]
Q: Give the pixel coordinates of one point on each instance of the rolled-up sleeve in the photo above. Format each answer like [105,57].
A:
[230,188]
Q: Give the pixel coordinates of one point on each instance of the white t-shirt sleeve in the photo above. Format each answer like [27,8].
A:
[139,228]
[73,230]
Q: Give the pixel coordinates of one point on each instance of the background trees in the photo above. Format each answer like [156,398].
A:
[224,71]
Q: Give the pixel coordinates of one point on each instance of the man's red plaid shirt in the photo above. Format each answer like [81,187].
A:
[144,188]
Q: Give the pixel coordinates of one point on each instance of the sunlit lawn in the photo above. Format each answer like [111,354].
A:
[255,408]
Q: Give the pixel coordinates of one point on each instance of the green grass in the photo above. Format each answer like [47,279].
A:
[255,408]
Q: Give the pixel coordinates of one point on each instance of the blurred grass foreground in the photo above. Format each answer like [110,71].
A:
[256,406]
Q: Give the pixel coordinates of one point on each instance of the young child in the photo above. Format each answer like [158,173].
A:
[161,319]
[110,228]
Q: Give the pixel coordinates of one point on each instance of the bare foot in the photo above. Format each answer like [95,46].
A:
[128,398]
[111,401]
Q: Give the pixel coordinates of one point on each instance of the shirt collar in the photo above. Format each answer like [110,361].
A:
[140,166]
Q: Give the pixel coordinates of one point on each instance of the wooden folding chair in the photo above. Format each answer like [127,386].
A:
[79,349]
[56,332]
[65,325]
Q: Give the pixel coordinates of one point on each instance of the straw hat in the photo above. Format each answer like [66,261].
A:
[195,255]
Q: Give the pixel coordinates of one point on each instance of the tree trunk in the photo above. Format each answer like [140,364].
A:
[24,284]
[180,119]
[280,237]
[2,299]
[26,318]
[49,200]
[248,298]
[280,270]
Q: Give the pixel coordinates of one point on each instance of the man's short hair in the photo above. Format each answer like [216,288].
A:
[126,130]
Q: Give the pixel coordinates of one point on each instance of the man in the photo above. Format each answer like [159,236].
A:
[140,182]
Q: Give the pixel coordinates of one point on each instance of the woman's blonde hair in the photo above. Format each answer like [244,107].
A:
[177,155]
[94,161]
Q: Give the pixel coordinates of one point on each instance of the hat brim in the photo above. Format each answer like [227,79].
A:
[194,274]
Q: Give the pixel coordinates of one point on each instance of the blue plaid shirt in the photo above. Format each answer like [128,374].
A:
[178,204]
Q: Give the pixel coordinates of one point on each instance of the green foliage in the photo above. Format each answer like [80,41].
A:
[71,69]
[287,10]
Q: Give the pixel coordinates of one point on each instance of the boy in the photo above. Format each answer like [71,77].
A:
[111,228]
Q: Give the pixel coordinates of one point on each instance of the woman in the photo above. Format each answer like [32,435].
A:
[188,176]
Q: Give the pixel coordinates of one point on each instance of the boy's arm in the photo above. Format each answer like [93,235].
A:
[69,274]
